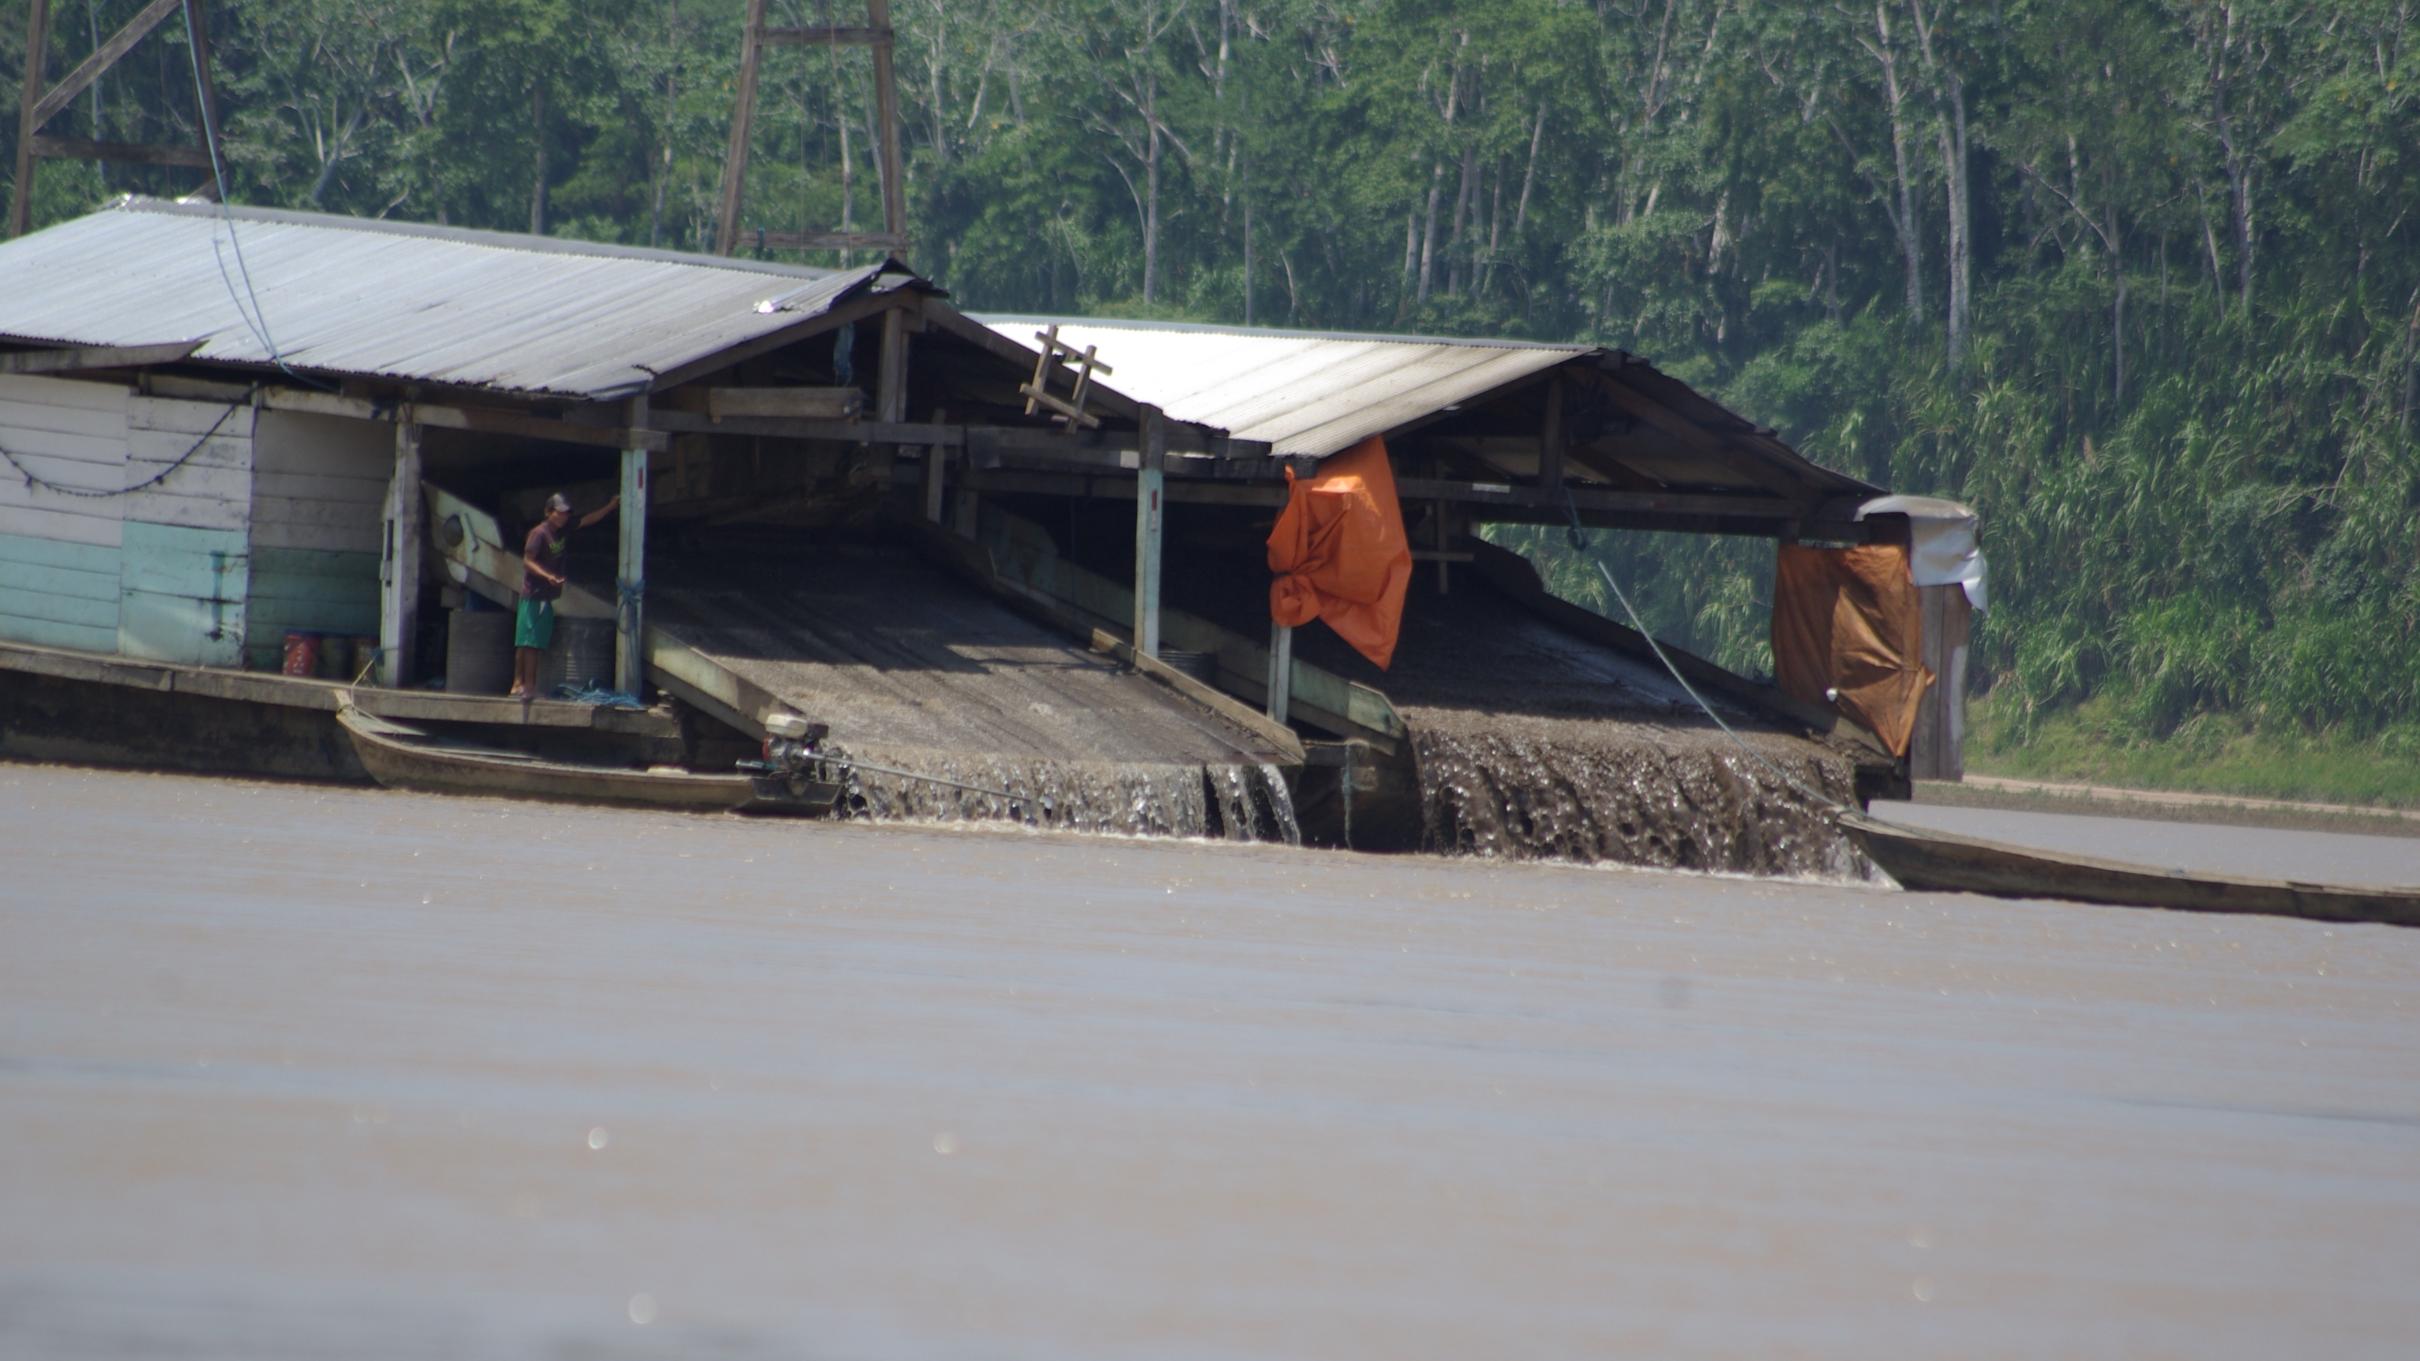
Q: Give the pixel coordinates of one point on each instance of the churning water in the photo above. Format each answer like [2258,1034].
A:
[1636,793]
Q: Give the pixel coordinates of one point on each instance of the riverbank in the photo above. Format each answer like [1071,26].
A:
[2207,765]
[2162,805]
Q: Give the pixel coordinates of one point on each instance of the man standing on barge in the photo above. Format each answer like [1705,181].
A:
[542,580]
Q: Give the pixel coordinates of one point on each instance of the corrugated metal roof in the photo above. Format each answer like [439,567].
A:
[349,296]
[1303,392]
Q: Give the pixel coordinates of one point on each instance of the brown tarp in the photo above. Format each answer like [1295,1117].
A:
[1340,553]
[1847,634]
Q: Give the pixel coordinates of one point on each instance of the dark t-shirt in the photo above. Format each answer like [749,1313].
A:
[545,547]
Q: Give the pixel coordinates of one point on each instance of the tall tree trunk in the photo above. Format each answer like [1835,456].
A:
[1496,231]
[1436,176]
[935,116]
[2239,216]
[1151,186]
[1529,176]
[537,186]
[1911,247]
[663,170]
[2233,158]
[1226,130]
[1428,228]
[1949,97]
[2117,304]
[1247,196]
[848,162]
[1955,161]
[1466,207]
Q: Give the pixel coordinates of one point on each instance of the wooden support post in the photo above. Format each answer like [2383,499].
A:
[936,464]
[743,116]
[966,508]
[1441,537]
[886,126]
[1551,441]
[21,192]
[1151,479]
[399,571]
[890,390]
[935,459]
[40,106]
[1281,670]
[630,577]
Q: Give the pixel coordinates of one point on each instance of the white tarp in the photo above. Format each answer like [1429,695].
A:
[1942,541]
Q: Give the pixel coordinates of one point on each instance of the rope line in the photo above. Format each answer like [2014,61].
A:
[1579,544]
[36,480]
[255,320]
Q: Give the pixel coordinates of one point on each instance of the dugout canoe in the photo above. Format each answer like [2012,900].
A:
[1943,862]
[401,756]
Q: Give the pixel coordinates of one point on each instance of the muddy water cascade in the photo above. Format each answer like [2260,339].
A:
[1631,792]
[1220,802]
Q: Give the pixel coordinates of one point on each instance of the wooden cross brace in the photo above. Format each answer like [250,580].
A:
[1037,393]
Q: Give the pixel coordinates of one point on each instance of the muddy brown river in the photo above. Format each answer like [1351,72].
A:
[294,1071]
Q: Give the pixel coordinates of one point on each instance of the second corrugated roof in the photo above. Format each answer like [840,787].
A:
[1302,392]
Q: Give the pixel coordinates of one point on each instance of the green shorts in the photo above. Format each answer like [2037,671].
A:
[534,624]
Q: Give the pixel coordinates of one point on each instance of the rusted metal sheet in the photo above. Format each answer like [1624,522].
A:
[345,296]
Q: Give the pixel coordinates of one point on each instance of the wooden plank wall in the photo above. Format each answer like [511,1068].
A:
[186,565]
[1937,751]
[318,490]
[59,554]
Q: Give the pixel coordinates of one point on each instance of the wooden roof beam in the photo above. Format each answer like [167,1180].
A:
[1694,437]
[96,357]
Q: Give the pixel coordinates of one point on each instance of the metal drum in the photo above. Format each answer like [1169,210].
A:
[1202,666]
[581,656]
[300,655]
[479,652]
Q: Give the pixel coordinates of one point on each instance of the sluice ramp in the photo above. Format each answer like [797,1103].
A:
[1538,730]
[1536,741]
[915,669]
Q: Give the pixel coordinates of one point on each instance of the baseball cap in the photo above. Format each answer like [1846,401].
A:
[556,502]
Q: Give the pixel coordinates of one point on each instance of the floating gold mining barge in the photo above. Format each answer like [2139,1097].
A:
[1012,566]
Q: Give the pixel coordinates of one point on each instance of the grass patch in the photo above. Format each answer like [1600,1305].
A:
[2208,754]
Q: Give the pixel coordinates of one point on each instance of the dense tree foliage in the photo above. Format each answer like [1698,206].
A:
[2138,278]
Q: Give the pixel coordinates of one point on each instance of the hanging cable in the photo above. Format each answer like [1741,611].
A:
[36,480]
[256,320]
[1579,544]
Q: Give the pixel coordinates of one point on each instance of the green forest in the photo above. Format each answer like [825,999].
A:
[2138,279]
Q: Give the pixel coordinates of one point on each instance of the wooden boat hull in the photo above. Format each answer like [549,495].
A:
[1931,861]
[402,757]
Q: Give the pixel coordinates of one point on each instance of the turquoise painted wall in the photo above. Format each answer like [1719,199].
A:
[310,590]
[183,594]
[56,594]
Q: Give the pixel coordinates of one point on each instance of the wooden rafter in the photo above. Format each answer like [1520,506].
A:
[1037,393]
[876,36]
[40,105]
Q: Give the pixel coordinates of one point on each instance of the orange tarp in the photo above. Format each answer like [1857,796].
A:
[1340,552]
[1847,634]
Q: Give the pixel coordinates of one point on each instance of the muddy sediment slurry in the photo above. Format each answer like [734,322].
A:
[1525,741]
[1528,741]
[1631,792]
[919,672]
[1230,802]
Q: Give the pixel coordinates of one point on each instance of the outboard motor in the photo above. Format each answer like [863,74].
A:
[795,768]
